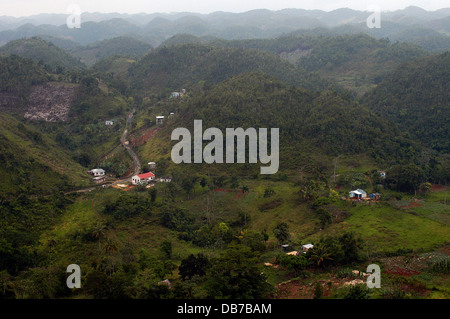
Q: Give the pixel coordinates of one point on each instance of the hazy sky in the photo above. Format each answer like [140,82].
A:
[19,8]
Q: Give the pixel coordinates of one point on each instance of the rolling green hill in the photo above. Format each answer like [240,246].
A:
[311,124]
[17,75]
[127,46]
[416,97]
[42,52]
[32,163]
[354,61]
[183,66]
[358,62]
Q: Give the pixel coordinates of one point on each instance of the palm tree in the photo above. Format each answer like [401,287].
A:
[5,279]
[319,255]
[99,232]
[110,246]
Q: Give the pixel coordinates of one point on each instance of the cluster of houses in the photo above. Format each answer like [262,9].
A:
[360,194]
[149,177]
[99,176]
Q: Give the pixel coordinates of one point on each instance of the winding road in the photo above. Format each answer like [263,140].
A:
[125,144]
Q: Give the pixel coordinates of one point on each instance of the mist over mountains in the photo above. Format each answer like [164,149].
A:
[410,24]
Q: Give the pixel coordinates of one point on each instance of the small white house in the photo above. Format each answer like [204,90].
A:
[109,123]
[175,95]
[159,120]
[307,247]
[142,178]
[151,165]
[357,194]
[165,179]
[97,172]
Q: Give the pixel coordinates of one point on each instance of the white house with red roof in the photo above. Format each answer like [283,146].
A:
[142,178]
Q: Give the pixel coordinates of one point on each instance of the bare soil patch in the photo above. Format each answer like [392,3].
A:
[50,102]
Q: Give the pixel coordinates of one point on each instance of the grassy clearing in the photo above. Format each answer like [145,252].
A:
[389,230]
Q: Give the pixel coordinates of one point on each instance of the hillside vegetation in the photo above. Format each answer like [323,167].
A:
[310,123]
[184,66]
[416,96]
[33,163]
[43,52]
[126,46]
[353,112]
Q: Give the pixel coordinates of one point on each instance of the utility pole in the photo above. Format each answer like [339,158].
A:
[334,173]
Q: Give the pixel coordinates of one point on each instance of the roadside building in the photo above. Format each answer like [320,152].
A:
[357,194]
[159,120]
[142,178]
[97,172]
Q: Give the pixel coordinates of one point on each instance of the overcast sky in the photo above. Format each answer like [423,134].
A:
[19,8]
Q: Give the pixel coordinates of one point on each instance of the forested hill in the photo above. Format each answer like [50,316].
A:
[97,51]
[357,62]
[310,123]
[354,61]
[17,75]
[417,97]
[32,163]
[43,52]
[182,66]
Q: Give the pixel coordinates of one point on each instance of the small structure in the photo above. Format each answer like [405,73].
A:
[375,196]
[171,114]
[109,123]
[306,247]
[97,172]
[165,179]
[175,95]
[159,120]
[357,194]
[99,179]
[165,282]
[142,178]
[151,165]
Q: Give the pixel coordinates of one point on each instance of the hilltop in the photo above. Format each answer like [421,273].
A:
[42,52]
[126,46]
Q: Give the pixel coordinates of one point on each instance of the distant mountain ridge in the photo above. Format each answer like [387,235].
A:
[330,18]
[156,27]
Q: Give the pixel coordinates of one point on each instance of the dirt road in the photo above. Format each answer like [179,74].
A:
[125,144]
